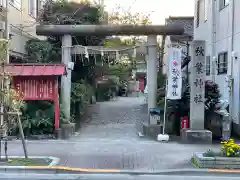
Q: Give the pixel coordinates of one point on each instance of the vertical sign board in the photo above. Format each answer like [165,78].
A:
[197,84]
[174,87]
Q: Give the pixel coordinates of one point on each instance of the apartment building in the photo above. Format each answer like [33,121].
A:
[22,16]
[216,22]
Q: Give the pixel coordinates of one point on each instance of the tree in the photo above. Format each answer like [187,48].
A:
[120,15]
[64,12]
[11,101]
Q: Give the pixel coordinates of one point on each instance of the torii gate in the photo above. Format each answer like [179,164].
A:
[151,31]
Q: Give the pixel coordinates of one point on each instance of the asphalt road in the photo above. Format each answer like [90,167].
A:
[35,176]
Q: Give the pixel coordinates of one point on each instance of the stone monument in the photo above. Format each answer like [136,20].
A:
[196,133]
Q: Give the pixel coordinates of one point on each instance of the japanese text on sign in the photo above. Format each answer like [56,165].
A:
[197,80]
[174,77]
[198,75]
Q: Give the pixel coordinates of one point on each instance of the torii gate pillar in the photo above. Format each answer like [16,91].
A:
[152,70]
[66,80]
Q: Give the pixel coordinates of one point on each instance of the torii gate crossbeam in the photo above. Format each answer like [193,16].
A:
[67,31]
[109,30]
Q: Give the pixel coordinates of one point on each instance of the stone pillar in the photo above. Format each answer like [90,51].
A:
[197,133]
[66,79]
[152,70]
[197,80]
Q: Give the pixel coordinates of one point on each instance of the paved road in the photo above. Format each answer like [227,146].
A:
[179,176]
[31,176]
[108,139]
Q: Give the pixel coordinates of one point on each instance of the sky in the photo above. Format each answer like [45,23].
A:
[159,9]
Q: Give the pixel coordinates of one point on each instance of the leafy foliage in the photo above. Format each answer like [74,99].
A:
[121,15]
[212,95]
[123,71]
[81,96]
[81,92]
[41,52]
[65,12]
[37,118]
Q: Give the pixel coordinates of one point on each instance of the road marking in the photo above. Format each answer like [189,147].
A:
[225,170]
[74,169]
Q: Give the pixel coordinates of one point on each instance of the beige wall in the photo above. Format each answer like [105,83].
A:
[22,27]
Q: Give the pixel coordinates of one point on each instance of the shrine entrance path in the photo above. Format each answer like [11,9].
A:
[109,140]
[119,119]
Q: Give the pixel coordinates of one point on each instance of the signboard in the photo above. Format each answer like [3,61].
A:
[155,119]
[41,88]
[197,84]
[174,87]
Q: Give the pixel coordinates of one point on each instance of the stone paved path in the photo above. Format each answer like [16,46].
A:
[109,140]
[118,119]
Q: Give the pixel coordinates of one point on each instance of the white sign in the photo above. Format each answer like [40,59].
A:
[197,84]
[156,119]
[174,86]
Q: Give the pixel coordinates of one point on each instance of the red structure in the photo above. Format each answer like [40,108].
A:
[140,77]
[38,82]
[184,122]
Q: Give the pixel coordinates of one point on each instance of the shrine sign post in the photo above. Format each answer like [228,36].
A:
[197,133]
[197,80]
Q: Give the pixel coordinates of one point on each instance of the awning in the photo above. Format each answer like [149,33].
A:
[35,69]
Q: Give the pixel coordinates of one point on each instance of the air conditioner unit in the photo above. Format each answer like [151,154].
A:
[2,25]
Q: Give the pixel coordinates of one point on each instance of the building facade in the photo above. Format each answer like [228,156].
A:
[182,41]
[22,18]
[216,22]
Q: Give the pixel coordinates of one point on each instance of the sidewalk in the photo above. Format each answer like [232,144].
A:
[124,155]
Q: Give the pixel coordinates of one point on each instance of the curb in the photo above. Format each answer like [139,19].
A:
[55,161]
[65,169]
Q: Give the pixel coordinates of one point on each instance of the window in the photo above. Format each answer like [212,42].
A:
[32,8]
[222,63]
[205,10]
[16,3]
[198,13]
[223,4]
[208,65]
[226,2]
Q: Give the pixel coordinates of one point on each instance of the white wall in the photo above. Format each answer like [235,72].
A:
[223,22]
